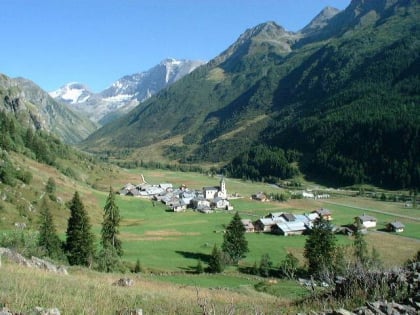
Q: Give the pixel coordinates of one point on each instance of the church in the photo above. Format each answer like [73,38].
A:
[216,192]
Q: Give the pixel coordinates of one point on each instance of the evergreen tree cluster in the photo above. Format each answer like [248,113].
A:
[38,145]
[264,163]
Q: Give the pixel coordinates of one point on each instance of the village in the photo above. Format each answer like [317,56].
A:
[213,198]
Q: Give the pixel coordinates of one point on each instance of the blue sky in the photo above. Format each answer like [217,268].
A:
[95,42]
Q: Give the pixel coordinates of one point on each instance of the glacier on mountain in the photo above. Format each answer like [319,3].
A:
[125,93]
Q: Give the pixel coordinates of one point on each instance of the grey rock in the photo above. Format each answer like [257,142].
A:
[5,311]
[124,282]
[46,311]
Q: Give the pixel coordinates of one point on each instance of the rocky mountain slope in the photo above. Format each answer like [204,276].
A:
[35,108]
[124,94]
[334,93]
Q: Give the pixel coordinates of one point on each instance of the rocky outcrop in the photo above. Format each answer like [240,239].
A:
[403,283]
[124,282]
[36,311]
[34,262]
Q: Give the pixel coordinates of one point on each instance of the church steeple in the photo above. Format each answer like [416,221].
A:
[223,187]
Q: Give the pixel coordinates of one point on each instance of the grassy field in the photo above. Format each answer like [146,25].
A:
[87,292]
[169,246]
[165,241]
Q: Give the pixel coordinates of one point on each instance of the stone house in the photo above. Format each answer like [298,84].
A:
[395,226]
[365,221]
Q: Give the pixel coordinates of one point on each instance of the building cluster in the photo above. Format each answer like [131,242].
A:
[282,223]
[205,200]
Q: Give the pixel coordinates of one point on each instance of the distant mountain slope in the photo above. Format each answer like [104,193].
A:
[334,93]
[126,93]
[35,108]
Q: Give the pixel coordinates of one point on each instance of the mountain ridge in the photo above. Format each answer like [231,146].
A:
[125,93]
[291,90]
[36,109]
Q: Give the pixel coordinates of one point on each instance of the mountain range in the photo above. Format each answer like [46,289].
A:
[34,108]
[337,102]
[124,94]
[340,97]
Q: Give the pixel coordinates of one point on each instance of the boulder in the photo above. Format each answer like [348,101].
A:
[124,282]
[46,311]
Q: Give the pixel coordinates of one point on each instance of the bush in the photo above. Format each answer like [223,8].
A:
[23,242]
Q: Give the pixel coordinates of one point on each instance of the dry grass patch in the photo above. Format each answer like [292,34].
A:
[216,75]
[87,292]
[394,250]
[165,233]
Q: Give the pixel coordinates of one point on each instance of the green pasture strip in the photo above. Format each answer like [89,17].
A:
[345,215]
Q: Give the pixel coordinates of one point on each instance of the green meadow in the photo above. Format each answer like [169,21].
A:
[168,242]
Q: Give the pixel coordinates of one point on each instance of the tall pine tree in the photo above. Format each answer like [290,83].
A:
[48,238]
[235,244]
[111,223]
[79,242]
[320,249]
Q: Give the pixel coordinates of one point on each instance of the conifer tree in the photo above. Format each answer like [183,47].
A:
[235,244]
[265,265]
[361,253]
[111,223]
[48,238]
[79,241]
[216,261]
[320,248]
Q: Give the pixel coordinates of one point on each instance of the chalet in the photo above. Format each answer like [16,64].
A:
[248,225]
[133,192]
[396,226]
[219,203]
[126,189]
[306,194]
[260,197]
[324,213]
[205,210]
[289,228]
[199,203]
[365,221]
[179,206]
[264,225]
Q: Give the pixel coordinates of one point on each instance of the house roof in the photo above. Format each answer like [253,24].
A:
[366,218]
[210,188]
[294,226]
[247,222]
[323,212]
[267,221]
[397,225]
[302,218]
[289,217]
[312,216]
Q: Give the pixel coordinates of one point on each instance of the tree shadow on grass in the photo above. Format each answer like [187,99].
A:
[204,258]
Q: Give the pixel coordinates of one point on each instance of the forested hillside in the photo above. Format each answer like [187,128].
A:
[338,102]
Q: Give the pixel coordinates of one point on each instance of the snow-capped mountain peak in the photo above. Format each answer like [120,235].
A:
[72,93]
[125,93]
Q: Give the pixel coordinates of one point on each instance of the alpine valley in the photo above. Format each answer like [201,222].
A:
[338,101]
[313,138]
